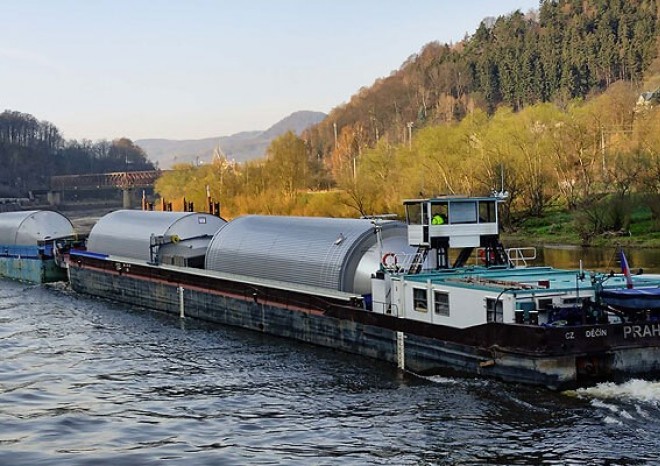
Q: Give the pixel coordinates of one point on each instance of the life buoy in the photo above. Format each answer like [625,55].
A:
[389,260]
[482,256]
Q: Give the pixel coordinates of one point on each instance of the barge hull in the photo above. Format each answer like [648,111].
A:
[361,332]
[32,270]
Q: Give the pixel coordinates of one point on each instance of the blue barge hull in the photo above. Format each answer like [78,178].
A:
[30,264]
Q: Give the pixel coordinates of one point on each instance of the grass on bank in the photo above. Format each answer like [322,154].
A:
[632,225]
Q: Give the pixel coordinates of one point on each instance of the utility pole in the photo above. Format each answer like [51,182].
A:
[334,125]
[410,125]
[602,149]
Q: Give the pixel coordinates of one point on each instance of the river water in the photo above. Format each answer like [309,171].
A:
[88,382]
[602,259]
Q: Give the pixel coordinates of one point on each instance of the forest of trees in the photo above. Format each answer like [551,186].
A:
[545,102]
[567,50]
[32,151]
[546,156]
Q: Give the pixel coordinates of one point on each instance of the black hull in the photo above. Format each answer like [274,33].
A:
[556,358]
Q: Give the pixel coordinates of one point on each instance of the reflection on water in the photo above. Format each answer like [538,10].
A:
[601,259]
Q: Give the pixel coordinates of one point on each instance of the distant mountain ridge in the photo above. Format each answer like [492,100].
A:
[246,145]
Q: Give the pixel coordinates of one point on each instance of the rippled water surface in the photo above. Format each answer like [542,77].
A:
[83,381]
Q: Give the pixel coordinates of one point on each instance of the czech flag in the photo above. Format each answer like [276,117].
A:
[626,271]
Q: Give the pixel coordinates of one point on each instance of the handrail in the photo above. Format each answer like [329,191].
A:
[520,257]
[385,308]
[404,261]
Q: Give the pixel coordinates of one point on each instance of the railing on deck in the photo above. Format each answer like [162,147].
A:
[521,257]
[403,262]
[385,308]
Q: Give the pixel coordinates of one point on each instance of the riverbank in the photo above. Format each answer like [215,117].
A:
[579,228]
[625,240]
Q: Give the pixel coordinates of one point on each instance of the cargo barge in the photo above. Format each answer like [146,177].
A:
[407,293]
[30,242]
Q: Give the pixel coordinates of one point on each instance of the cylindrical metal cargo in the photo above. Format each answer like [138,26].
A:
[128,233]
[334,253]
[29,227]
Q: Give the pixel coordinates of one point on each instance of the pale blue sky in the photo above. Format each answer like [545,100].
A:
[203,68]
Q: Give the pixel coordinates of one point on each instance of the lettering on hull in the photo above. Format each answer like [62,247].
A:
[590,333]
[641,331]
[595,333]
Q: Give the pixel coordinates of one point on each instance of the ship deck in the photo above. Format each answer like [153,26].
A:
[528,279]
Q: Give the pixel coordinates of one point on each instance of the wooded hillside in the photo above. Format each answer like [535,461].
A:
[32,151]
[569,49]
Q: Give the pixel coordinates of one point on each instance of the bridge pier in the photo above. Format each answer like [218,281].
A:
[54,198]
[127,198]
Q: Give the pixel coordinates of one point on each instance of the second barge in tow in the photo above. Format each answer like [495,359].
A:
[402,293]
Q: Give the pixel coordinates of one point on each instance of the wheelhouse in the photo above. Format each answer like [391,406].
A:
[439,224]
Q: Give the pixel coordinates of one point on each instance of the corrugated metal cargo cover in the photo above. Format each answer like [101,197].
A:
[339,254]
[127,233]
[29,227]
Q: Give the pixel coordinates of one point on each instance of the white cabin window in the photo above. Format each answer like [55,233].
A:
[441,300]
[463,212]
[494,310]
[420,299]
[415,213]
[544,303]
[487,212]
[575,300]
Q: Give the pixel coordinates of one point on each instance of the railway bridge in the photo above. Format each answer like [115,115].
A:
[127,182]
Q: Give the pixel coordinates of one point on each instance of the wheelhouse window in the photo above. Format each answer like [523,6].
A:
[463,212]
[494,310]
[439,213]
[414,213]
[420,299]
[487,211]
[441,300]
